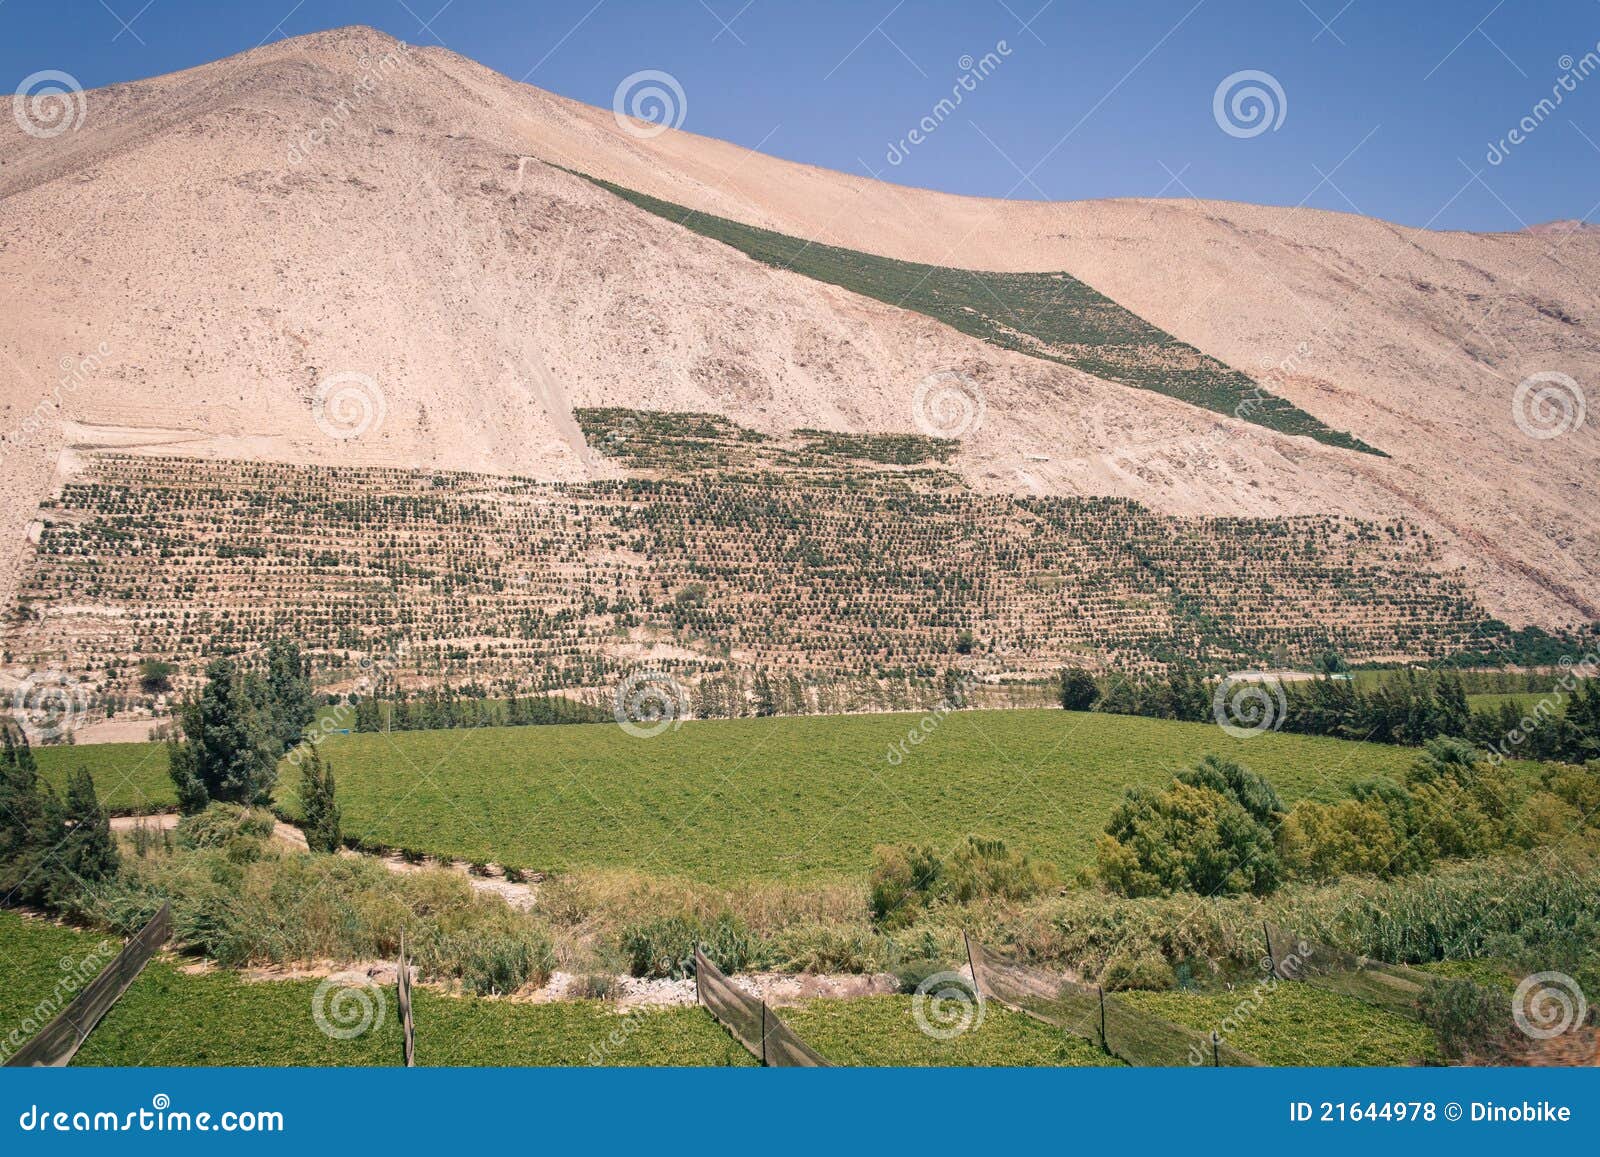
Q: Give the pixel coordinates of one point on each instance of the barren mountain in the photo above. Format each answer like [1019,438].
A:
[341,250]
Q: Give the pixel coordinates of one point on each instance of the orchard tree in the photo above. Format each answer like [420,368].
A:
[1079,692]
[288,702]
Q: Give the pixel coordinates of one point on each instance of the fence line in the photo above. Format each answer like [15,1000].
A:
[1394,987]
[750,1022]
[1123,1031]
[58,1042]
[403,998]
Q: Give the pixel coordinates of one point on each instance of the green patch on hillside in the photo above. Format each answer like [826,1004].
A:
[1045,315]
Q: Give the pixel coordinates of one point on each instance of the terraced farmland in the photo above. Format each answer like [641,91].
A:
[850,572]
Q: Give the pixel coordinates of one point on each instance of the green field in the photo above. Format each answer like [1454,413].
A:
[881,1030]
[1491,700]
[130,777]
[169,1018]
[42,967]
[778,798]
[1295,1024]
[172,1016]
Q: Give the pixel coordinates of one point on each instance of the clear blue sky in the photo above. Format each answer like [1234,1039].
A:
[1391,106]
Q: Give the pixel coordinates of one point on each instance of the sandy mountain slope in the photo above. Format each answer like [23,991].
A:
[340,249]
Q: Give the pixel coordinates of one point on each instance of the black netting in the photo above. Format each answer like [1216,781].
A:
[752,1023]
[403,998]
[56,1043]
[1394,987]
[1139,1038]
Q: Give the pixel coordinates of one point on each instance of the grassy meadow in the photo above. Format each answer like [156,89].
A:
[763,799]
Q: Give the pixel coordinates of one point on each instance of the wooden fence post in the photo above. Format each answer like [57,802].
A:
[403,992]
[1105,1045]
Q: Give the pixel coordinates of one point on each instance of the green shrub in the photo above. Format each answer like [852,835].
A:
[913,974]
[1187,838]
[908,880]
[1078,689]
[817,947]
[665,947]
[489,961]
[221,824]
[593,986]
[1469,1019]
[1146,969]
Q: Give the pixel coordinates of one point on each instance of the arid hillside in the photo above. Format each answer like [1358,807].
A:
[345,251]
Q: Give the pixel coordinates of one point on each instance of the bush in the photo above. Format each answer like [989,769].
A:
[282,907]
[906,881]
[241,832]
[903,879]
[594,986]
[489,961]
[824,948]
[1187,838]
[1145,969]
[1079,692]
[665,947]
[913,974]
[1469,1019]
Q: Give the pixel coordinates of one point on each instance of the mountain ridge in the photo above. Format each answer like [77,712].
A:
[427,244]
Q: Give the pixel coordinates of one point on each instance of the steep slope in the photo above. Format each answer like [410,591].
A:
[340,250]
